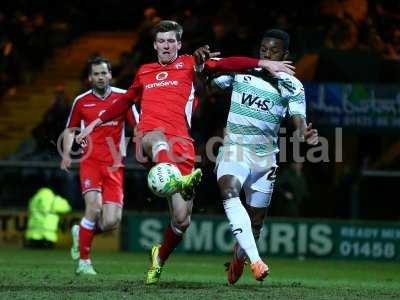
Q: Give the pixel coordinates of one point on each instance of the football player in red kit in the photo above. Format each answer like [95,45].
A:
[165,91]
[101,166]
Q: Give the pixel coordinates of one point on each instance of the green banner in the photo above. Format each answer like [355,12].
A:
[279,237]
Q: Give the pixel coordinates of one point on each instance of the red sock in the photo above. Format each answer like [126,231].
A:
[85,241]
[171,240]
[162,157]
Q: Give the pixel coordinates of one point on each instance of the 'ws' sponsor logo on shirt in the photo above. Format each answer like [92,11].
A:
[161,76]
[256,102]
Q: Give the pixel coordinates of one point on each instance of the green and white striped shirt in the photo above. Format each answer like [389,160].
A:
[257,109]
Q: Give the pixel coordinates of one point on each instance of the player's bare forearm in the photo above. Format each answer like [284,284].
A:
[299,123]
[68,140]
[305,132]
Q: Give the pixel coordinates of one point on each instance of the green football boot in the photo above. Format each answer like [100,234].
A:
[185,184]
[154,273]
[188,183]
[85,268]
[173,186]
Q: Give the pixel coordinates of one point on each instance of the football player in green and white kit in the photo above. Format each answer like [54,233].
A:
[247,160]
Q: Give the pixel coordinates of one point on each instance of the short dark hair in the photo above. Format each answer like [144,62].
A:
[280,35]
[97,61]
[168,25]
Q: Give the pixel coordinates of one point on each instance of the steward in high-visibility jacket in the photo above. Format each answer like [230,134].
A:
[44,210]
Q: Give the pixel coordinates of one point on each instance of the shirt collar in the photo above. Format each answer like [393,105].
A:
[106,94]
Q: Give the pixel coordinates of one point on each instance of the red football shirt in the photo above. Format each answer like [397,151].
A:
[108,138]
[166,93]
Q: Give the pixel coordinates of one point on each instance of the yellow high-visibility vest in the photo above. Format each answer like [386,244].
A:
[44,210]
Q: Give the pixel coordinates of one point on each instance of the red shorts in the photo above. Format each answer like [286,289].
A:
[181,154]
[100,177]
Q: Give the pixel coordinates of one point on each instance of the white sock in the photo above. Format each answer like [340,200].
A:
[241,253]
[89,225]
[85,261]
[241,227]
[157,147]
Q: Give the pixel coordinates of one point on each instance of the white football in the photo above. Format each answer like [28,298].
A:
[159,179]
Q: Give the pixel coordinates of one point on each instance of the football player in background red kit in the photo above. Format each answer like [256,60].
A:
[165,91]
[101,167]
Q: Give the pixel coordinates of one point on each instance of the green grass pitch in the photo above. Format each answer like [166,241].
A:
[38,274]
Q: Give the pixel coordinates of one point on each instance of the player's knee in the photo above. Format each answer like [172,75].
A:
[110,223]
[153,143]
[229,186]
[179,220]
[181,223]
[185,225]
[230,192]
[256,222]
[93,210]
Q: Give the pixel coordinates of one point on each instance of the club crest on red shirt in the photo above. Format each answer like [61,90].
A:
[179,65]
[161,76]
[87,183]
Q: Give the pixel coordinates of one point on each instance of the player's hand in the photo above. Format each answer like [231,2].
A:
[311,135]
[81,138]
[84,143]
[202,54]
[65,164]
[277,66]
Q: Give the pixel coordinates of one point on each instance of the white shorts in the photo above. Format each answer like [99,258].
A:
[256,173]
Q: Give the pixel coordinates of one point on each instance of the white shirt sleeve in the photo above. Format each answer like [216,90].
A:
[292,89]
[224,81]
[297,104]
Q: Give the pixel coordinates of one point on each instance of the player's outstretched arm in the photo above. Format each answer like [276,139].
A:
[305,132]
[118,108]
[238,63]
[121,106]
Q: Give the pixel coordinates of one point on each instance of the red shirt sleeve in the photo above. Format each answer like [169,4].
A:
[231,64]
[123,103]
[74,119]
[130,118]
